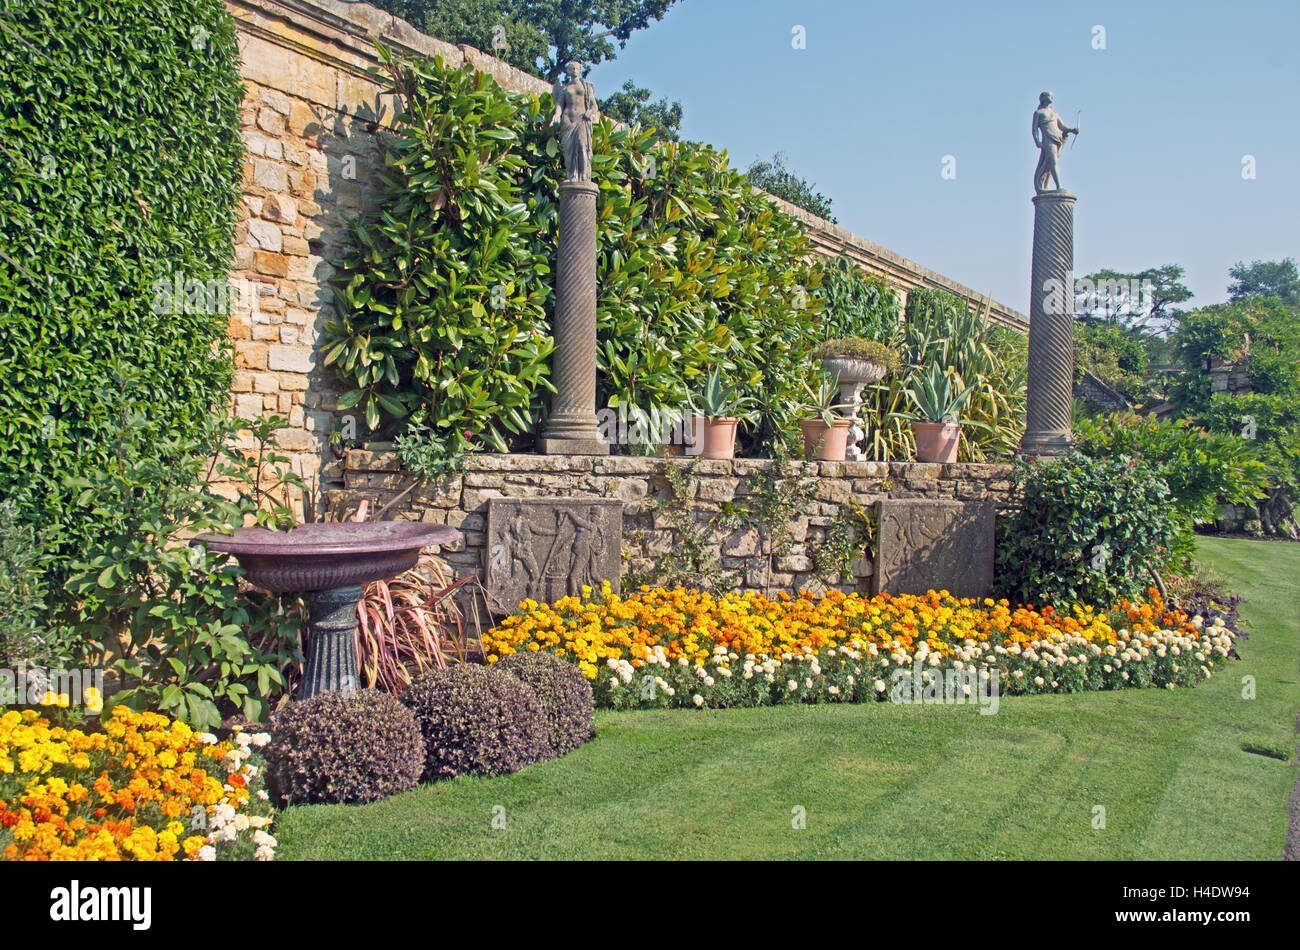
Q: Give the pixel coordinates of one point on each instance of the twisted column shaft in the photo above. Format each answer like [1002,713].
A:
[1051,327]
[571,428]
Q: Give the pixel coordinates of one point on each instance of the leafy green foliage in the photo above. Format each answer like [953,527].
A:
[576,29]
[776,179]
[1145,300]
[1265,279]
[28,632]
[445,305]
[1202,469]
[1083,530]
[938,396]
[857,304]
[943,331]
[631,105]
[175,624]
[119,124]
[1114,354]
[719,400]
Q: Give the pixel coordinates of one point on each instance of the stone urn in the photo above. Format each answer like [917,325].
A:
[853,374]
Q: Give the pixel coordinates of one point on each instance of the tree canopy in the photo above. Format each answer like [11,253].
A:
[538,36]
[1265,279]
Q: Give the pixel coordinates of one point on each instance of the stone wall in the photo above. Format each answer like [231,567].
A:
[311,117]
[650,533]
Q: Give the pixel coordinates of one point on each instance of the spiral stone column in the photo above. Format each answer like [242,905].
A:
[331,661]
[571,428]
[1051,327]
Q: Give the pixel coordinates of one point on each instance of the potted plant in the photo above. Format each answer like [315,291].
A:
[718,409]
[936,424]
[826,434]
[855,361]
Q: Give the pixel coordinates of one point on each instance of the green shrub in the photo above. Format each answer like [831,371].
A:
[346,748]
[858,304]
[122,159]
[563,693]
[445,306]
[1114,354]
[477,721]
[179,628]
[1203,470]
[1083,530]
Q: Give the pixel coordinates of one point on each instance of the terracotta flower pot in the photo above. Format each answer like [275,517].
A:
[936,441]
[825,443]
[718,438]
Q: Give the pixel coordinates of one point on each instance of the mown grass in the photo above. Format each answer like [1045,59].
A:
[887,781]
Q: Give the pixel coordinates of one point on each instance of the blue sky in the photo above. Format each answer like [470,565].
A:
[883,91]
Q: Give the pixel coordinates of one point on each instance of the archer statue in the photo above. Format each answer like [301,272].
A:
[1050,134]
[577,111]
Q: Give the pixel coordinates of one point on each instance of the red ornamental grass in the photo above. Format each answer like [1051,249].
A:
[408,625]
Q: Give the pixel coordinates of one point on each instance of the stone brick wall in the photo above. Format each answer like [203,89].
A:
[650,533]
[311,118]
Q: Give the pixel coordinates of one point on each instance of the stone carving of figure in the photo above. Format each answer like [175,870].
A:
[577,111]
[1050,133]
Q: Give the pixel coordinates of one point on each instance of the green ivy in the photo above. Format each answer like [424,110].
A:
[119,172]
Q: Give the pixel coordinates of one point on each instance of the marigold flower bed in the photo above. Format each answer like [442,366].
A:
[142,787]
[657,647]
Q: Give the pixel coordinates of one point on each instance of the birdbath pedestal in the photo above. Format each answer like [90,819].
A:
[330,563]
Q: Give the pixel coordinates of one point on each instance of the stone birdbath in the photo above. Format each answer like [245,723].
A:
[853,373]
[329,562]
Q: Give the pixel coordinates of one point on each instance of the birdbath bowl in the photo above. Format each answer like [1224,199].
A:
[329,562]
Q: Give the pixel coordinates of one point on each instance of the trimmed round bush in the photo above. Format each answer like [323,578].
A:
[563,693]
[477,721]
[345,748]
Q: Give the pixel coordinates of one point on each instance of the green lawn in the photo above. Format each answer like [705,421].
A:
[887,781]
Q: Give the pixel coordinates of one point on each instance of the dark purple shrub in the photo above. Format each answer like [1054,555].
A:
[345,748]
[563,693]
[477,721]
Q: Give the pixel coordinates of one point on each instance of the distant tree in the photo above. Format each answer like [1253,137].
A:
[540,36]
[1144,300]
[632,105]
[1265,279]
[774,178]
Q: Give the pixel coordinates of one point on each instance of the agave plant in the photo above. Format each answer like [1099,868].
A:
[718,400]
[938,396]
[821,399]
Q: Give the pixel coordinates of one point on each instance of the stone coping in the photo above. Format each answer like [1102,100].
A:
[366,460]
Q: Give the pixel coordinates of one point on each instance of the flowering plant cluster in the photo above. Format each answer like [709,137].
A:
[141,787]
[680,647]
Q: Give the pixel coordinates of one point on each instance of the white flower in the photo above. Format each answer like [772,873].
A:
[264,854]
[206,853]
[697,699]
[262,839]
[261,739]
[207,738]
